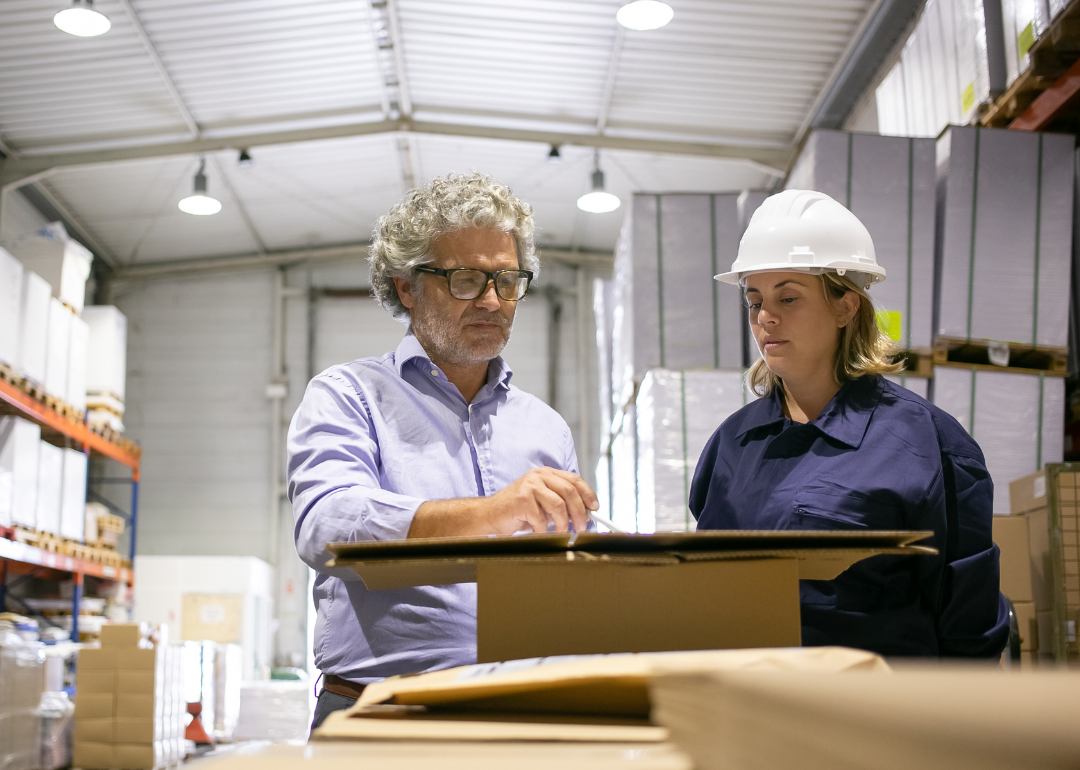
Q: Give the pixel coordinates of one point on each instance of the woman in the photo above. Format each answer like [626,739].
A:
[833,445]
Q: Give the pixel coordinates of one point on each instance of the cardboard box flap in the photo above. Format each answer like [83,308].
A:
[610,685]
[745,539]
[814,564]
[445,547]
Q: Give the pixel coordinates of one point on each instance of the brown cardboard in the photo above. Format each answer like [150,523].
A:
[94,682]
[137,660]
[1039,547]
[135,757]
[602,607]
[338,726]
[1028,493]
[212,617]
[95,730]
[94,755]
[90,705]
[134,730]
[121,635]
[134,706]
[1011,536]
[137,682]
[1028,624]
[95,659]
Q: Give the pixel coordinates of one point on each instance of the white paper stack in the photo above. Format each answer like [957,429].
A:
[34,327]
[1016,419]
[58,349]
[78,359]
[64,263]
[953,61]
[888,183]
[917,385]
[669,312]
[1023,22]
[20,441]
[274,711]
[11,289]
[73,495]
[1006,235]
[107,365]
[677,412]
[50,492]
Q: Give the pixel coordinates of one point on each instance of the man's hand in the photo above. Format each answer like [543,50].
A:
[540,497]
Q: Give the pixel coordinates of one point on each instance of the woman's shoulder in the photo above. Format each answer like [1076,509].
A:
[910,412]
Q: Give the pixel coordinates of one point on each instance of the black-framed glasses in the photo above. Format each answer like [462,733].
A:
[469,283]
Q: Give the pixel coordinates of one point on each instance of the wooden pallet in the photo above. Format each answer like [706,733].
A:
[918,362]
[989,354]
[44,540]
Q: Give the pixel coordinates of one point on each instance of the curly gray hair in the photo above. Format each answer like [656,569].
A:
[402,238]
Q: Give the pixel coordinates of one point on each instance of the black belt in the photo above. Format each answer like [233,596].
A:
[342,687]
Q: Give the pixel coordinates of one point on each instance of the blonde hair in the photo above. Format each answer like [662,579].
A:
[862,348]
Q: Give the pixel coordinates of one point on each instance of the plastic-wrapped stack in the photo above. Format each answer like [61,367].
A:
[107,369]
[1023,21]
[274,711]
[953,61]
[21,685]
[1005,237]
[129,706]
[1016,419]
[677,412]
[19,444]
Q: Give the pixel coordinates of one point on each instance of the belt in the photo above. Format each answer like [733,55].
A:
[342,687]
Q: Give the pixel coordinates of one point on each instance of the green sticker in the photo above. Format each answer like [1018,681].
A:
[889,321]
[967,99]
[1025,40]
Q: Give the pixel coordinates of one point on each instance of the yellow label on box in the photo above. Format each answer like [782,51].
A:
[1025,39]
[967,99]
[889,321]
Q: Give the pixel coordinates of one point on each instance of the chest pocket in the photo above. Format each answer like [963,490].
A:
[833,507]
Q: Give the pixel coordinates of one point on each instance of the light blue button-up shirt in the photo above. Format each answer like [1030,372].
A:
[372,441]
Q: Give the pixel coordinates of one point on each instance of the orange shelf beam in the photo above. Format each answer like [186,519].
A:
[28,554]
[26,406]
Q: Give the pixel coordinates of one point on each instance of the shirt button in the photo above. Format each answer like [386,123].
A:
[480,463]
[434,372]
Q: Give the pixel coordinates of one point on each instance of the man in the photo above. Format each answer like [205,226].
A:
[430,440]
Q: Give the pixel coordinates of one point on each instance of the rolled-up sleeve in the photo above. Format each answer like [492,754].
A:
[333,474]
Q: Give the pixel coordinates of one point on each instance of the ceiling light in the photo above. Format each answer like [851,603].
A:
[245,160]
[644,15]
[82,20]
[200,204]
[598,201]
[554,156]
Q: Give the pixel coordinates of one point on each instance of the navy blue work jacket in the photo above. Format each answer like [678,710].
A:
[877,457]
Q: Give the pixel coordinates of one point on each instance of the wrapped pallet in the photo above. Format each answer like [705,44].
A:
[50,491]
[33,327]
[623,473]
[57,350]
[1005,237]
[78,352]
[73,495]
[21,684]
[11,289]
[888,183]
[1016,419]
[677,412]
[107,365]
[20,441]
[64,263]
[1023,21]
[669,312]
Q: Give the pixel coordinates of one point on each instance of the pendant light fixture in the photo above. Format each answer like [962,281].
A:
[643,15]
[200,204]
[599,201]
[82,20]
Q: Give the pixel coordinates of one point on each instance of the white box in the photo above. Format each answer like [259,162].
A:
[50,487]
[1017,420]
[57,349]
[73,501]
[19,445]
[107,368]
[1011,282]
[11,289]
[889,183]
[64,263]
[34,327]
[677,413]
[78,359]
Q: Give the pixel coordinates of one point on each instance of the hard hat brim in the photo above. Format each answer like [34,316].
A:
[875,273]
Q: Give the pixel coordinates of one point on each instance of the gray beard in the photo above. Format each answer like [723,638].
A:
[443,341]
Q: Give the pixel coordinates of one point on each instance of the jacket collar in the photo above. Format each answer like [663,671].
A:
[844,419]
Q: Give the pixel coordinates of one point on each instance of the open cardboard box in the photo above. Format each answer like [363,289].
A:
[588,593]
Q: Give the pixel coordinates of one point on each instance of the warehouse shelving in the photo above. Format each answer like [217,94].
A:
[28,561]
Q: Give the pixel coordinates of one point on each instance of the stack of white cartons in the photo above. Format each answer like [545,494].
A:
[34,310]
[22,681]
[62,262]
[677,412]
[107,368]
[11,289]
[953,62]
[1005,235]
[669,312]
[1023,21]
[50,494]
[1017,420]
[73,495]
[20,442]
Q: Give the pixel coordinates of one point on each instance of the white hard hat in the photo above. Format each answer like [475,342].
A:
[808,232]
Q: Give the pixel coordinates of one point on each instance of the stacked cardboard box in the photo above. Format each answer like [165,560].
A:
[1004,235]
[1013,540]
[1015,418]
[129,708]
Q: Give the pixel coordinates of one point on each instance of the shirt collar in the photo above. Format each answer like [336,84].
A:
[410,349]
[844,419]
